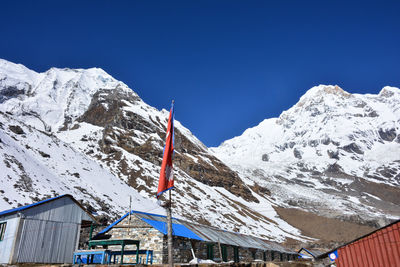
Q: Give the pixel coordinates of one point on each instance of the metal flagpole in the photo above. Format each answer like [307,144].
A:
[166,181]
[130,211]
[169,221]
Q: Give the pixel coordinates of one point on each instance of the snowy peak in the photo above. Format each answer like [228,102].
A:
[17,72]
[389,91]
[320,92]
[52,99]
[323,103]
[327,147]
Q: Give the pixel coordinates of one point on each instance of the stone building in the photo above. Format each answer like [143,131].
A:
[205,242]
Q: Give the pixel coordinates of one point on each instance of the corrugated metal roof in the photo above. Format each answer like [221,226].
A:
[379,248]
[108,228]
[202,232]
[177,229]
[27,207]
[7,212]
[313,253]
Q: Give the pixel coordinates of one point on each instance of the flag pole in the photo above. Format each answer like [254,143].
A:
[166,182]
[169,221]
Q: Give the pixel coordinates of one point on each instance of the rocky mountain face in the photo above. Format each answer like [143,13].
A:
[330,164]
[91,129]
[334,153]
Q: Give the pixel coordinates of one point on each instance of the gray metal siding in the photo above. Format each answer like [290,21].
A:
[49,232]
[6,245]
[59,210]
[47,241]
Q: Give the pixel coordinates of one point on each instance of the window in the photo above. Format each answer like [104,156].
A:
[2,230]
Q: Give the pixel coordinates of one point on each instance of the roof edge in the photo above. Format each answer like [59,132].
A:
[15,210]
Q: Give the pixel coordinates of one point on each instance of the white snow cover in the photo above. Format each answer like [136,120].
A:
[50,166]
[325,121]
[54,95]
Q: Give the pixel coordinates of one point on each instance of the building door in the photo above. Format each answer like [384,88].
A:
[236,254]
[210,251]
[224,253]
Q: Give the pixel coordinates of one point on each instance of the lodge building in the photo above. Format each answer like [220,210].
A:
[205,242]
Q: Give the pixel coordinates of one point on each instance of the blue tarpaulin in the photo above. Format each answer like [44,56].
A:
[177,229]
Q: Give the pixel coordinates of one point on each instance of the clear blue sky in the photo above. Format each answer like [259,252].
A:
[228,64]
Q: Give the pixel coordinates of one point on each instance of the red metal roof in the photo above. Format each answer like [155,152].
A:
[379,248]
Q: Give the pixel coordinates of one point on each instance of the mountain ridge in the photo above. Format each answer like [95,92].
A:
[329,133]
[109,123]
[104,120]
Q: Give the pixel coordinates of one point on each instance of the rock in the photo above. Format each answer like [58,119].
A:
[16,129]
[387,134]
[297,153]
[326,141]
[313,143]
[13,91]
[352,148]
[44,155]
[265,157]
[333,154]
[334,169]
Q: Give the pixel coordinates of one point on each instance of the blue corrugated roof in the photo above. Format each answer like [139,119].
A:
[6,212]
[150,214]
[108,228]
[177,229]
[311,253]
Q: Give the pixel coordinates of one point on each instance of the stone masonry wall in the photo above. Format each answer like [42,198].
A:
[181,249]
[183,254]
[150,238]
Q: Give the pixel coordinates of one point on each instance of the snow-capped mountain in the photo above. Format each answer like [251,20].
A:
[331,160]
[334,153]
[82,132]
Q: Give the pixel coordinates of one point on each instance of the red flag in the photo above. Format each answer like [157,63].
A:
[166,181]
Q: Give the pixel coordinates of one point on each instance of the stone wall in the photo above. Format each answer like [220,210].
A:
[183,254]
[150,238]
[181,249]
